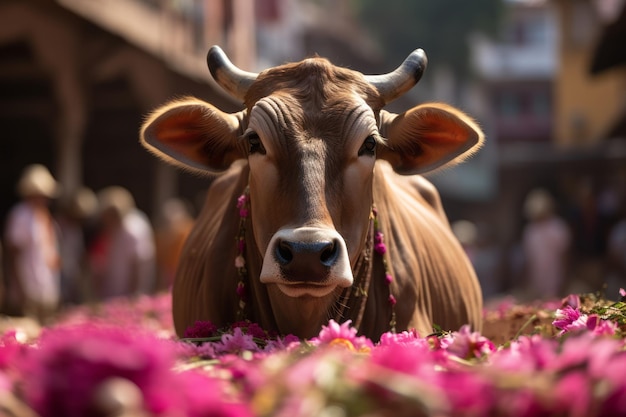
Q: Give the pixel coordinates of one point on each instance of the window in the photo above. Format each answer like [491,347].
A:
[509,105]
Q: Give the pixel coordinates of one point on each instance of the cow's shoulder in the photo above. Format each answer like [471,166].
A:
[427,191]
[220,191]
[217,221]
[414,187]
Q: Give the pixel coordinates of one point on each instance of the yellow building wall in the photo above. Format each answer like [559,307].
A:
[586,105]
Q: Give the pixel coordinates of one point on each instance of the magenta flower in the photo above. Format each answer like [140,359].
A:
[251,329]
[572,395]
[70,365]
[411,359]
[286,343]
[526,354]
[569,319]
[201,329]
[236,342]
[571,300]
[11,350]
[336,333]
[466,344]
[402,338]
[379,244]
[242,201]
[600,327]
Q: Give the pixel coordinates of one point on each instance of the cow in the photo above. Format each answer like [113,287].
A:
[317,209]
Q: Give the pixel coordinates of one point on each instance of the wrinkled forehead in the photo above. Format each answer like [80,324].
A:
[283,115]
[312,95]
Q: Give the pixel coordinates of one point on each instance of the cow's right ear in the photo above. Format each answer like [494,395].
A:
[195,134]
[427,137]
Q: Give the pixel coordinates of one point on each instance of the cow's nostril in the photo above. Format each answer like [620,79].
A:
[284,254]
[329,254]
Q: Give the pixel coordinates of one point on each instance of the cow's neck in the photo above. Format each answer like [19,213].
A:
[350,303]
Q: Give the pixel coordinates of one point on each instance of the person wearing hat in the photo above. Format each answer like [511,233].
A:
[123,255]
[32,242]
[75,218]
[546,240]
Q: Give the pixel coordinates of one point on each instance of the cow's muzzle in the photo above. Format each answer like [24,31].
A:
[307,261]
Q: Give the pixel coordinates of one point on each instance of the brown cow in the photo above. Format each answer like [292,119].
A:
[317,152]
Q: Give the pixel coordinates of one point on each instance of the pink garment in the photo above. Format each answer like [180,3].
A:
[32,231]
[545,244]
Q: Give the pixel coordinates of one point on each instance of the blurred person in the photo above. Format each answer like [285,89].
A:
[173,227]
[483,255]
[72,220]
[32,244]
[122,256]
[546,241]
[589,222]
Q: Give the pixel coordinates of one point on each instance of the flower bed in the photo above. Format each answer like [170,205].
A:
[121,358]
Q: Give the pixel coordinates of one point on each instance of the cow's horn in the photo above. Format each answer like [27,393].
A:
[392,85]
[227,75]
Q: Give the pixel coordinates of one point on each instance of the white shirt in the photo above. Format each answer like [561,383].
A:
[134,241]
[37,263]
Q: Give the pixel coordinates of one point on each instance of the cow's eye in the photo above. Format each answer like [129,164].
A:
[255,144]
[369,146]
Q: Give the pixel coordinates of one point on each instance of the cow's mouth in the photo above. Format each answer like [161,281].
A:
[303,289]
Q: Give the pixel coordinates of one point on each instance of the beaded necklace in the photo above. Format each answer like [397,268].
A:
[362,270]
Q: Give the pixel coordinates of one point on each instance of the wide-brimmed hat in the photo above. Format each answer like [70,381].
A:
[116,198]
[36,181]
[539,203]
[83,204]
[465,231]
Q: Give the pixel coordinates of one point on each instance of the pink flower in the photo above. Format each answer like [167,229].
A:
[568,319]
[236,342]
[241,291]
[379,244]
[467,345]
[334,333]
[526,354]
[70,364]
[10,349]
[286,343]
[241,205]
[571,300]
[599,326]
[573,395]
[402,338]
[201,329]
[408,358]
[392,300]
[251,329]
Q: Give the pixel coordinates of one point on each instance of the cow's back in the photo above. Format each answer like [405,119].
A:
[434,280]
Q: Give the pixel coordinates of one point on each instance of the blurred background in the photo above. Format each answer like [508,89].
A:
[545,79]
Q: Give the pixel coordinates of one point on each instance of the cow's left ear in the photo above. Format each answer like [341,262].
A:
[428,137]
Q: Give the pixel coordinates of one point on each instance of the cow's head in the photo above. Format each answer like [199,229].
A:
[311,133]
